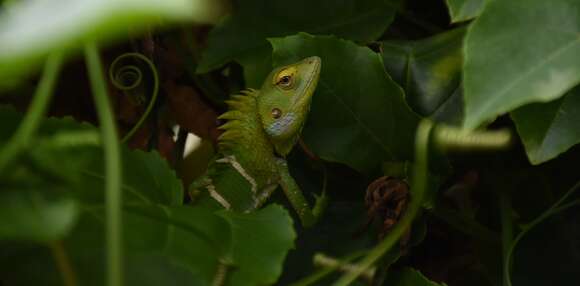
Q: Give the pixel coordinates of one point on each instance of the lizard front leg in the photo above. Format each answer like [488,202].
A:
[308,216]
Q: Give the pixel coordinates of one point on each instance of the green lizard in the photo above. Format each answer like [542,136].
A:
[263,126]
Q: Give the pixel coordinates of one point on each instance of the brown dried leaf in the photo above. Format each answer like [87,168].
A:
[191,112]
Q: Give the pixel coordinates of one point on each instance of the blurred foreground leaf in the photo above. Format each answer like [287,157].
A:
[29,30]
[33,216]
[36,202]
[163,240]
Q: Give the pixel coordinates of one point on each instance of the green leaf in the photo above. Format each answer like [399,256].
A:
[34,216]
[242,37]
[35,199]
[549,129]
[159,242]
[408,277]
[519,52]
[190,236]
[29,30]
[185,239]
[40,184]
[261,241]
[147,178]
[162,241]
[359,116]
[463,10]
[429,71]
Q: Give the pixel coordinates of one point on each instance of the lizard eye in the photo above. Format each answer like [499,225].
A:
[276,113]
[285,81]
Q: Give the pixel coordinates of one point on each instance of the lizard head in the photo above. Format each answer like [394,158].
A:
[284,101]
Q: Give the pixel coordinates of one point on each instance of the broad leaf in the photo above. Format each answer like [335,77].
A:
[34,216]
[549,129]
[159,242]
[242,37]
[359,116]
[147,178]
[29,30]
[261,241]
[429,71]
[463,10]
[183,245]
[162,238]
[35,199]
[519,52]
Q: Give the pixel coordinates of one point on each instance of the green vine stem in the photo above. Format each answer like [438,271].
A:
[37,110]
[129,77]
[507,231]
[113,195]
[326,270]
[331,262]
[63,263]
[467,225]
[451,138]
[219,279]
[419,187]
[557,207]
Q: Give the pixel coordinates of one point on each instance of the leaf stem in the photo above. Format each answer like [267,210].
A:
[466,225]
[419,187]
[219,278]
[36,111]
[325,271]
[456,139]
[63,263]
[507,232]
[331,262]
[116,80]
[555,208]
[113,195]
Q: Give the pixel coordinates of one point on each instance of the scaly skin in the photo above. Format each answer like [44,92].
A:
[263,126]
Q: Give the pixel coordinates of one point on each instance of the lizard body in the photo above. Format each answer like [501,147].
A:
[262,127]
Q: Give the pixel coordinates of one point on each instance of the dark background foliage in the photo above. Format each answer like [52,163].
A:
[386,65]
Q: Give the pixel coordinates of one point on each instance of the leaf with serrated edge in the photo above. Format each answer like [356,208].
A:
[242,37]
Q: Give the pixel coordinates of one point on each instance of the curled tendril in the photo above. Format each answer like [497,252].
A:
[129,77]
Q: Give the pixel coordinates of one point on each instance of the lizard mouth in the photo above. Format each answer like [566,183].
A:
[314,64]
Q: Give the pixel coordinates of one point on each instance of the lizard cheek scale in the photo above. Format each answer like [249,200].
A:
[281,125]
